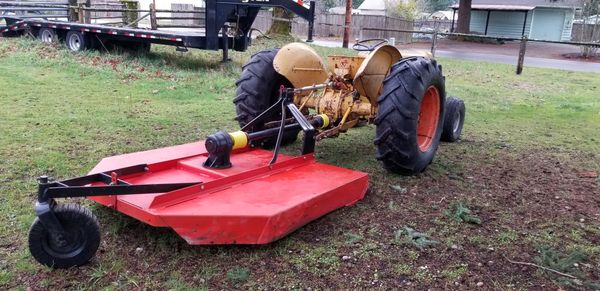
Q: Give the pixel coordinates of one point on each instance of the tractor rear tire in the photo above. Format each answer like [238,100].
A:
[78,246]
[257,90]
[454,119]
[410,115]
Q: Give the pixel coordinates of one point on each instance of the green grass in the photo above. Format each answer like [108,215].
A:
[61,113]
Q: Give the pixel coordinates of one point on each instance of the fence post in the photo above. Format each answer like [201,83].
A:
[129,17]
[73,14]
[434,42]
[311,21]
[84,15]
[347,23]
[80,17]
[521,55]
[153,23]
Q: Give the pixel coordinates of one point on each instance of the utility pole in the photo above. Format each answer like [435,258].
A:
[347,22]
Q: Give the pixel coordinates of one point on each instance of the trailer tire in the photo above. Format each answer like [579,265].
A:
[454,119]
[257,90]
[83,238]
[77,41]
[47,35]
[410,115]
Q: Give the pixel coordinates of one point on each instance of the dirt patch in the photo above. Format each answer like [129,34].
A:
[524,200]
[578,57]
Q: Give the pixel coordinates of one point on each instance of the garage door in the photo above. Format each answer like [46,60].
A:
[547,24]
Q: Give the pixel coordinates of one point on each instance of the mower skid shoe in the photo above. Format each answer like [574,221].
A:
[249,203]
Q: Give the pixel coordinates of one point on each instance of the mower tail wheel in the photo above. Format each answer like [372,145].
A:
[76,41]
[410,115]
[47,35]
[454,119]
[75,247]
[257,90]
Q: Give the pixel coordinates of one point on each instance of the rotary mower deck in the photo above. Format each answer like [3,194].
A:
[209,192]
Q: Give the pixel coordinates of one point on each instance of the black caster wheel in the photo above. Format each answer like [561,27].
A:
[75,247]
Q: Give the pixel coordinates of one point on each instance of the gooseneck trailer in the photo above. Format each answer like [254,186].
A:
[227,24]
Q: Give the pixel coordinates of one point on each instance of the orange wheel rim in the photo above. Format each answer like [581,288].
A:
[429,115]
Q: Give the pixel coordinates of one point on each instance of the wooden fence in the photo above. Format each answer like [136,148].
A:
[578,32]
[332,25]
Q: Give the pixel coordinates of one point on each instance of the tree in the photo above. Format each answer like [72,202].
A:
[464,16]
[589,30]
[356,3]
[401,8]
[281,22]
[328,4]
[436,5]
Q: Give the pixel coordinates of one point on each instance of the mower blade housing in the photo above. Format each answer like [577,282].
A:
[249,203]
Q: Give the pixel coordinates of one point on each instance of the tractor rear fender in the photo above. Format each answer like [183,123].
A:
[369,76]
[416,53]
[301,65]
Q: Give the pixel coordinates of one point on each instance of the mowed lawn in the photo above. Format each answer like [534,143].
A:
[526,169]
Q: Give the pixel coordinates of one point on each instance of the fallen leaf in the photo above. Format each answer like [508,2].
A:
[399,189]
[588,174]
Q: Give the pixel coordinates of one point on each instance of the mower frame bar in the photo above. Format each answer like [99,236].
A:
[76,187]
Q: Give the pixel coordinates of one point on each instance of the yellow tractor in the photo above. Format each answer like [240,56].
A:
[404,96]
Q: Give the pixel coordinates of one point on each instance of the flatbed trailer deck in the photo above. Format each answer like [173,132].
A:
[220,15]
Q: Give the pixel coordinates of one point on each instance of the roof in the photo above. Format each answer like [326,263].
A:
[341,10]
[521,4]
[372,5]
[498,7]
[440,15]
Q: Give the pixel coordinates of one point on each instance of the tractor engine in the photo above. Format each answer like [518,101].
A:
[346,92]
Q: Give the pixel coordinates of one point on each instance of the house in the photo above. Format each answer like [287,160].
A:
[372,7]
[537,19]
[168,4]
[440,15]
[341,10]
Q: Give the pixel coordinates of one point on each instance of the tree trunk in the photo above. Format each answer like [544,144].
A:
[464,16]
[279,25]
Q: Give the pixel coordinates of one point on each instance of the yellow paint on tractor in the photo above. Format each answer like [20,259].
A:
[353,82]
[300,64]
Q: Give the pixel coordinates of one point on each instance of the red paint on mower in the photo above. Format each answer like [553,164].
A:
[249,203]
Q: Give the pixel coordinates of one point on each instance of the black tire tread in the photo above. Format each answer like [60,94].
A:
[258,76]
[398,108]
[452,105]
[66,212]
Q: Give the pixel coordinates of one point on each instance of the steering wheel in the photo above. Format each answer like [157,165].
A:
[363,45]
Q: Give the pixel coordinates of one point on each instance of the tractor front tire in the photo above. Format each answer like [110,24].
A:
[78,245]
[410,115]
[454,119]
[257,90]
